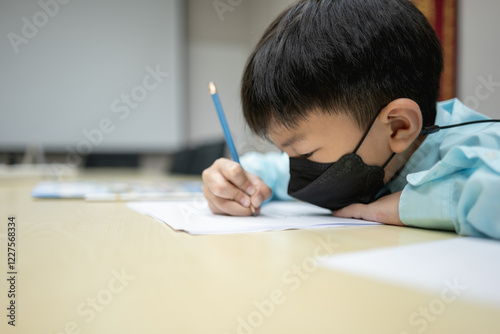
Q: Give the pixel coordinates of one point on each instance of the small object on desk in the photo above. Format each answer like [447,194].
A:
[225,128]
[120,191]
[36,171]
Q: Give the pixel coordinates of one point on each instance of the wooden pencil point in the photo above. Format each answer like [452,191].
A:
[211,88]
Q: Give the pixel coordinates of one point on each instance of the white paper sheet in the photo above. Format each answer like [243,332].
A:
[195,217]
[470,267]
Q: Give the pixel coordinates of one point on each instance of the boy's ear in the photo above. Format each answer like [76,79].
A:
[403,121]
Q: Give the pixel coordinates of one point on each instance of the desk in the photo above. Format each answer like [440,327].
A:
[87,267]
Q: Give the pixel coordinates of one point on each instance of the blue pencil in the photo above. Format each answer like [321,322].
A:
[223,122]
[225,128]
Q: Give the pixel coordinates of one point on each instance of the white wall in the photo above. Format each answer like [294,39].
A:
[479,55]
[92,76]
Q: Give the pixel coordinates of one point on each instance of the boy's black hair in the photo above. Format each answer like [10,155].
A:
[341,56]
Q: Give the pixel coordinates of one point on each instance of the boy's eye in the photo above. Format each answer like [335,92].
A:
[305,156]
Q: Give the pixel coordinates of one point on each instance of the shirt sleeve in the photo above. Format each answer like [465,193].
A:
[461,192]
[272,168]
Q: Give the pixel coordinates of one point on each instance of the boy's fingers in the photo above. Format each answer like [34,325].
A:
[230,190]
[231,207]
[219,186]
[234,173]
[262,192]
[223,206]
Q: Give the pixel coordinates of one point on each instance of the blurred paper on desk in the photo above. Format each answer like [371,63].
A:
[467,265]
[125,191]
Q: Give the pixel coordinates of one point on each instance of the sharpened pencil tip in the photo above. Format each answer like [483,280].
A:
[252,210]
[211,88]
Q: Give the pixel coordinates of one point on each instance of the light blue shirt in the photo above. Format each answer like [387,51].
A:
[451,182]
[272,168]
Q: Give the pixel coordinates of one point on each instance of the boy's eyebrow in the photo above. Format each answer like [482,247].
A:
[293,139]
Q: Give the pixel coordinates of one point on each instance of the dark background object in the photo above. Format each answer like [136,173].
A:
[112,160]
[194,160]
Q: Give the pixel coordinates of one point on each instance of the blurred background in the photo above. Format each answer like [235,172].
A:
[124,82]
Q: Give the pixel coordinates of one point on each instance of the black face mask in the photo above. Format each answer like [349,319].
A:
[338,184]
[349,180]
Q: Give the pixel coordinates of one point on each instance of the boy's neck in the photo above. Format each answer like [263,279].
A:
[399,161]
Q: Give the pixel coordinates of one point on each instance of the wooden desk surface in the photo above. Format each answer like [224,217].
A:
[102,268]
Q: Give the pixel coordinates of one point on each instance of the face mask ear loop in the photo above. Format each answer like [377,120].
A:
[366,133]
[389,160]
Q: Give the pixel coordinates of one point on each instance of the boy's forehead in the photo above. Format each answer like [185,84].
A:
[284,136]
[289,138]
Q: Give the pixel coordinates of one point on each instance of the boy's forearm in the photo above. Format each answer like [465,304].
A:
[384,210]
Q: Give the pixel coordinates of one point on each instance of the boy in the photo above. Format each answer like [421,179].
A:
[348,90]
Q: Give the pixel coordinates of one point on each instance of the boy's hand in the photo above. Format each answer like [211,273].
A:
[229,189]
[384,210]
